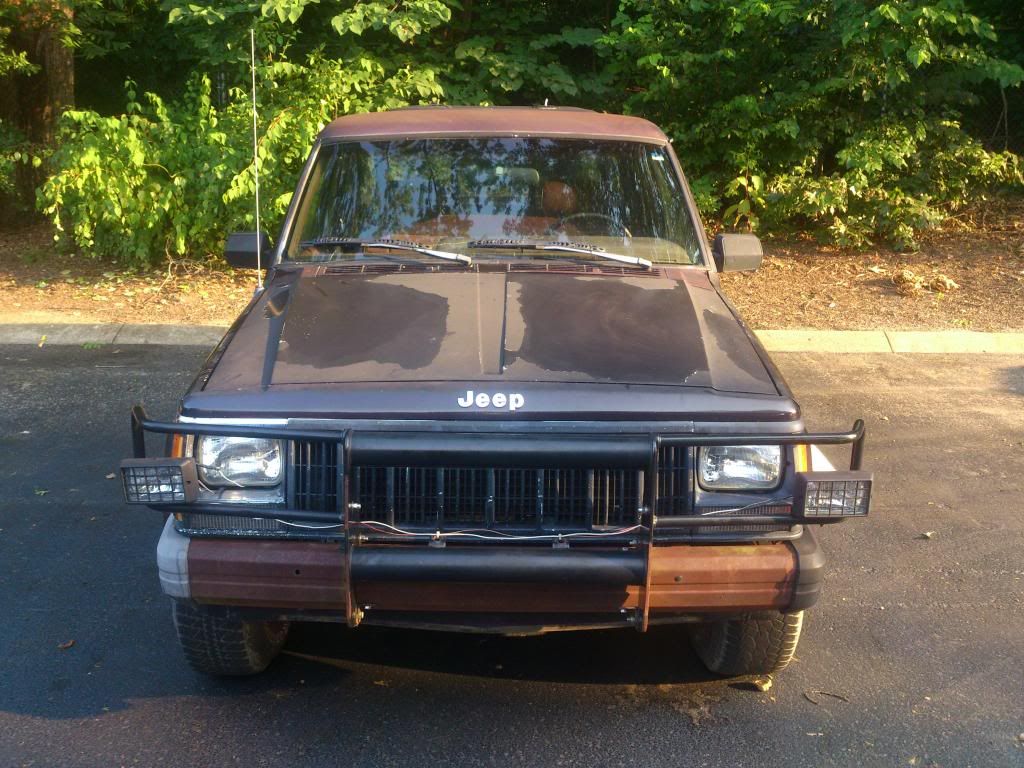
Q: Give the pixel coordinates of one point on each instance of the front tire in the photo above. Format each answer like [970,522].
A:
[757,644]
[214,645]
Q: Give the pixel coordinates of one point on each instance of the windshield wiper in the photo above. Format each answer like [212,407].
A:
[397,245]
[560,246]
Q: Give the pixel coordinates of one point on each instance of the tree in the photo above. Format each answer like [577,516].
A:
[37,79]
[819,113]
[849,118]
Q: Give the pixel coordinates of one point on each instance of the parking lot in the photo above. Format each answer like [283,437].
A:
[914,656]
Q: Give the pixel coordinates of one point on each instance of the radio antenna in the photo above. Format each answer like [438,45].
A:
[256,163]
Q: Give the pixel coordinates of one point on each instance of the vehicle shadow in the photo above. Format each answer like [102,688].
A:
[606,657]
[123,670]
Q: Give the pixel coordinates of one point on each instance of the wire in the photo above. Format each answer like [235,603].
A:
[310,527]
[219,471]
[488,534]
[768,502]
[472,533]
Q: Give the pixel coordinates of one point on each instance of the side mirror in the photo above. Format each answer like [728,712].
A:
[240,250]
[737,253]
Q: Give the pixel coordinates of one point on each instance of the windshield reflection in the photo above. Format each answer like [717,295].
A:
[444,193]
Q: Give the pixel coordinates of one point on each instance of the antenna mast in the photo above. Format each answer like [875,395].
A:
[256,163]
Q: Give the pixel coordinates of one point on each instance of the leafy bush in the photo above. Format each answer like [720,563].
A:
[169,180]
[818,113]
[835,115]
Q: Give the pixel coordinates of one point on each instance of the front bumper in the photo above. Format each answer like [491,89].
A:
[507,589]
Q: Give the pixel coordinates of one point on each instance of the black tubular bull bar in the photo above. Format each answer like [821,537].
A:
[465,450]
[454,449]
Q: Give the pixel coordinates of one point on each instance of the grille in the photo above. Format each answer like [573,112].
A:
[504,498]
[445,497]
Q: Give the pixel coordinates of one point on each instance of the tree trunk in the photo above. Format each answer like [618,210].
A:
[58,72]
[33,103]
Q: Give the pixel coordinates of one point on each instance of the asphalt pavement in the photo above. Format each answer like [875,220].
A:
[914,656]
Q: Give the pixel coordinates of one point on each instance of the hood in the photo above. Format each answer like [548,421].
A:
[659,328]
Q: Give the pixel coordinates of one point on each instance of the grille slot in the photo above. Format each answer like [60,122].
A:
[763,509]
[313,476]
[207,521]
[675,479]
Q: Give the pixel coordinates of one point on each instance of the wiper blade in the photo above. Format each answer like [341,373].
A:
[561,246]
[397,245]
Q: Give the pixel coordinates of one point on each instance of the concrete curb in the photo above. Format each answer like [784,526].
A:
[914,342]
[824,341]
[42,334]
[956,342]
[859,342]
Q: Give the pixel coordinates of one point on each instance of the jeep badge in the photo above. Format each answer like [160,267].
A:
[513,401]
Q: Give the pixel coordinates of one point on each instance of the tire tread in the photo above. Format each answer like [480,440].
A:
[219,646]
[750,645]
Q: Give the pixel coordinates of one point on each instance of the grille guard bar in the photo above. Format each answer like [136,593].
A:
[423,449]
[381,448]
[639,452]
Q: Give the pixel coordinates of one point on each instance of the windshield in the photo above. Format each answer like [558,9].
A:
[466,195]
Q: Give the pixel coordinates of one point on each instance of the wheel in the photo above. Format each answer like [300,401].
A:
[753,645]
[218,646]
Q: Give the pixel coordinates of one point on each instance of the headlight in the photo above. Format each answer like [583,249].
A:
[237,462]
[740,467]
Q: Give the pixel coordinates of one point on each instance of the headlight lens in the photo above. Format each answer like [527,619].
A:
[234,462]
[740,467]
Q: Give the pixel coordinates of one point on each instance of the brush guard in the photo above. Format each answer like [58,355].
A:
[541,450]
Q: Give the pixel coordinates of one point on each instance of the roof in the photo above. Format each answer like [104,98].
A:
[443,121]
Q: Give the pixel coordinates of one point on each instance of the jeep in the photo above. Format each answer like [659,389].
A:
[491,384]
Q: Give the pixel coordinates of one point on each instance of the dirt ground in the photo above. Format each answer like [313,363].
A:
[957,280]
[972,278]
[38,285]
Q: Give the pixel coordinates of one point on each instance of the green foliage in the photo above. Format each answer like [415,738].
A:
[13,147]
[139,186]
[524,53]
[169,179]
[12,152]
[835,115]
[818,113]
[11,60]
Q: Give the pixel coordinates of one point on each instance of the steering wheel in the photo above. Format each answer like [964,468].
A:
[614,228]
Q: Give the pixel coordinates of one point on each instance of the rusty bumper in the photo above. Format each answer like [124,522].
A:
[296,577]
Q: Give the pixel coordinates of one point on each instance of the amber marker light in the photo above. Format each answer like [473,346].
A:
[801,458]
